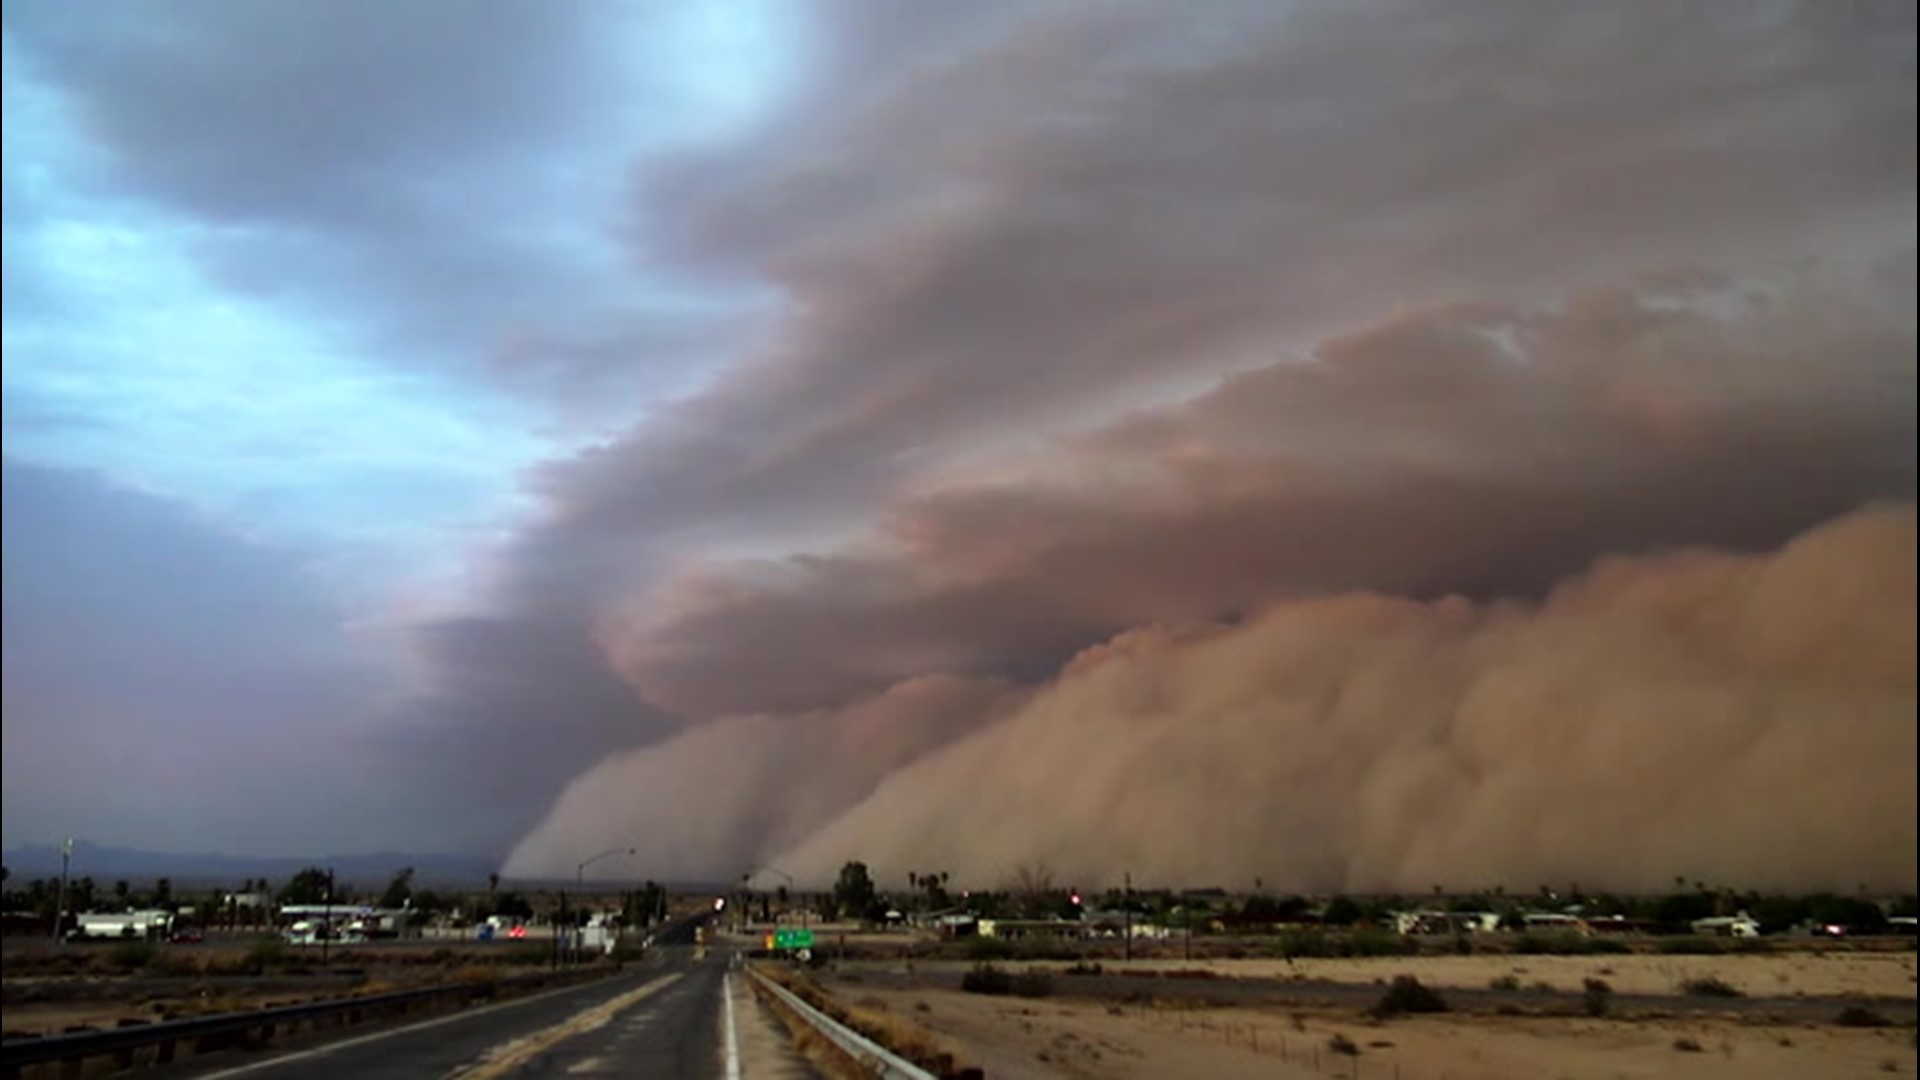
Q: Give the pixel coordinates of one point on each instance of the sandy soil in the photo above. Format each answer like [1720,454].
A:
[1045,1038]
[1885,974]
[1168,1036]
[55,1017]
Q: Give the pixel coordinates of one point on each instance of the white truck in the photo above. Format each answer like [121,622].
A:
[153,925]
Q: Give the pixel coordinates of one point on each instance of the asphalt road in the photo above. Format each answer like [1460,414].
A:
[663,1017]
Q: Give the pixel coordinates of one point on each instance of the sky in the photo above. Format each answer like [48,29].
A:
[1355,445]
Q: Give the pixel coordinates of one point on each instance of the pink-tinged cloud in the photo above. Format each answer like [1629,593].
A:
[1744,720]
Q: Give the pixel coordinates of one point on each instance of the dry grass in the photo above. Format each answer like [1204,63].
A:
[871,1017]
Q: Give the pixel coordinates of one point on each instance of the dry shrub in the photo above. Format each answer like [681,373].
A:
[1408,995]
[1710,986]
[1857,1016]
[1597,996]
[987,979]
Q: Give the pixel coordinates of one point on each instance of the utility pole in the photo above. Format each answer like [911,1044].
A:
[60,904]
[326,924]
[580,890]
[1128,908]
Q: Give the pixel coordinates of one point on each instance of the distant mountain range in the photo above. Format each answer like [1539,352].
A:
[43,860]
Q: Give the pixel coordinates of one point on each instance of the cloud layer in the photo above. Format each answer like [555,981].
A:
[706,381]
[1747,720]
[1097,324]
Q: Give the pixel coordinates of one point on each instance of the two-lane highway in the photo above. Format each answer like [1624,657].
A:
[679,1013]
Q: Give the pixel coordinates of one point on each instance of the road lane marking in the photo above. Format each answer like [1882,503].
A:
[345,1044]
[510,1055]
[733,1033]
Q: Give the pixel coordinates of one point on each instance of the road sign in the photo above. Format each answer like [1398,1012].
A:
[793,939]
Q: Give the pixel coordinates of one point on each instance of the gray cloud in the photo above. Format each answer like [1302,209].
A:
[1610,297]
[1484,451]
[438,178]
[154,660]
[1069,319]
[1036,226]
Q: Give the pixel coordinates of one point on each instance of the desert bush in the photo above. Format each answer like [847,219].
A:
[1297,944]
[1687,1045]
[1084,968]
[1408,995]
[1504,982]
[1032,984]
[1044,948]
[1710,986]
[1340,1044]
[986,979]
[167,962]
[1377,943]
[265,955]
[524,954]
[1857,1016]
[1597,996]
[982,948]
[132,955]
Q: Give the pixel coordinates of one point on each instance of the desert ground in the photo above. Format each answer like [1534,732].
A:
[104,985]
[1309,1018]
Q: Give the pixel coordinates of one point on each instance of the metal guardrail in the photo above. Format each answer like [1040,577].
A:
[862,1049]
[207,1033]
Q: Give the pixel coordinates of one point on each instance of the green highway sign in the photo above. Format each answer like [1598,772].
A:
[793,939]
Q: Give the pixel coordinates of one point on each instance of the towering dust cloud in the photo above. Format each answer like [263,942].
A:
[1747,720]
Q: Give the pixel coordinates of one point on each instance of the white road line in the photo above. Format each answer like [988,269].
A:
[424,1025]
[733,1033]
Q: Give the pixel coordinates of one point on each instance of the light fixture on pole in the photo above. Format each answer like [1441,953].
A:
[790,883]
[580,872]
[60,905]
[580,880]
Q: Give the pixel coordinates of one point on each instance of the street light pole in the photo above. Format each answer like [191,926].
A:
[790,884]
[580,882]
[326,926]
[60,904]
